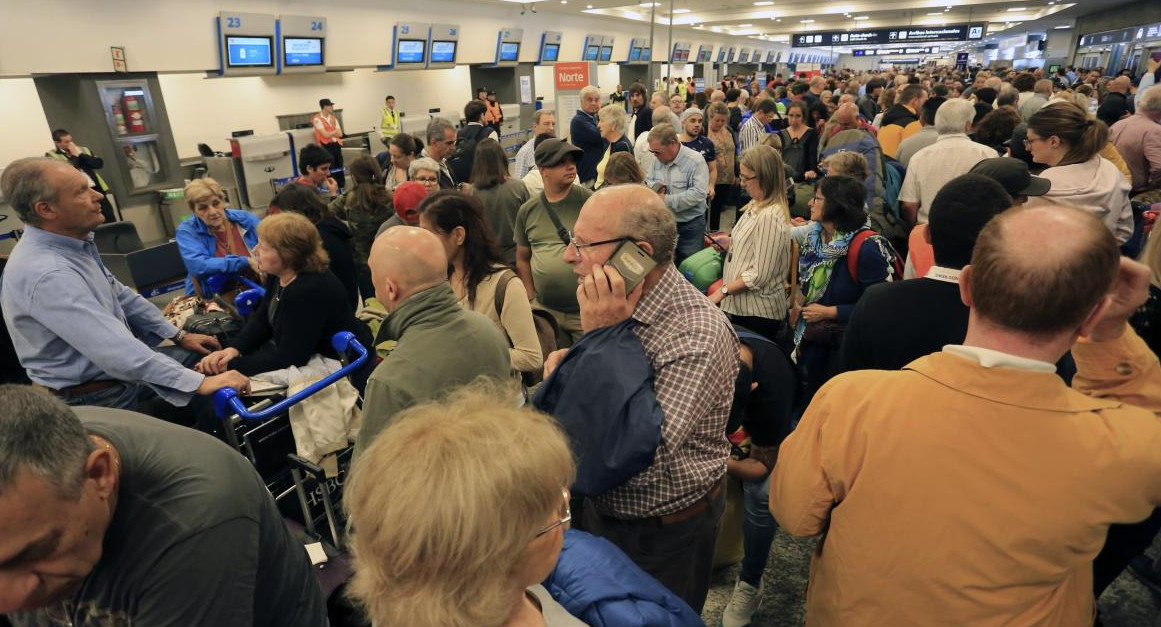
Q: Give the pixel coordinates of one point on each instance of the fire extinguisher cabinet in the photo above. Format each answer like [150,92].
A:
[133,127]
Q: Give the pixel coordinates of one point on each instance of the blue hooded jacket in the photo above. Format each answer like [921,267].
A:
[197,245]
[601,586]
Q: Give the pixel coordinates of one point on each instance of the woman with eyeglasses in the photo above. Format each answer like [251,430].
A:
[1063,137]
[477,272]
[827,291]
[754,292]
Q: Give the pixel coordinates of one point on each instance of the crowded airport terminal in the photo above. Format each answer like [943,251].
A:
[539,313]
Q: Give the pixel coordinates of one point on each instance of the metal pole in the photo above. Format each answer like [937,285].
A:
[652,45]
[669,48]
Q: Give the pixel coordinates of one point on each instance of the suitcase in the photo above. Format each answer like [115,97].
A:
[702,268]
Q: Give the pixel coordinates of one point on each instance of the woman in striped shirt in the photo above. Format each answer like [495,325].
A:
[754,291]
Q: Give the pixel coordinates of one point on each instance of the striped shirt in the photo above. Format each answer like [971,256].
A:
[751,134]
[525,158]
[694,354]
[760,256]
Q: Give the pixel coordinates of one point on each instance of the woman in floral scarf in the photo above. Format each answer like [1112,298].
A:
[827,292]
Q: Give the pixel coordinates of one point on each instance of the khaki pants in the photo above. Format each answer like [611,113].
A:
[568,323]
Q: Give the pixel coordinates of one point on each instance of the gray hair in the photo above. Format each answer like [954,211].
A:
[954,116]
[436,129]
[41,434]
[540,113]
[661,115]
[422,163]
[588,90]
[1043,86]
[615,114]
[1150,100]
[24,184]
[663,134]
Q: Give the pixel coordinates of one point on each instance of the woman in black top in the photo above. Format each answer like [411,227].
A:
[303,308]
[337,239]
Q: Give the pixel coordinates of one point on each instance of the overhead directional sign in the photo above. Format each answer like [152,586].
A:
[875,52]
[902,34]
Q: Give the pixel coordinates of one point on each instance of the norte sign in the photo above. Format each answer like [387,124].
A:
[571,75]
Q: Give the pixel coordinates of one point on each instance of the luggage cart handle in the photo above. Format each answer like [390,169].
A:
[226,400]
[246,301]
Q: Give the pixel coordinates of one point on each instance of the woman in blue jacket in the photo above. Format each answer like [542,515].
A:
[216,240]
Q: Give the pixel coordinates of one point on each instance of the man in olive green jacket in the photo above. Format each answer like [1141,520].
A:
[439,345]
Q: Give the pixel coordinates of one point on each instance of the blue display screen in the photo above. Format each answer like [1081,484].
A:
[509,51]
[606,53]
[592,52]
[443,52]
[249,52]
[302,51]
[646,53]
[551,51]
[721,55]
[409,51]
[635,54]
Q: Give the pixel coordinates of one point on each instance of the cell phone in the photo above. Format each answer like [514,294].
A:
[659,188]
[632,262]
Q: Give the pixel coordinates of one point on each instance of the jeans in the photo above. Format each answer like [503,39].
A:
[136,396]
[758,529]
[690,238]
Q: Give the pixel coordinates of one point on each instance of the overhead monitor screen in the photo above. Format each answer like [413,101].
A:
[606,53]
[302,51]
[443,52]
[509,51]
[551,51]
[635,54]
[410,51]
[249,51]
[646,53]
[592,52]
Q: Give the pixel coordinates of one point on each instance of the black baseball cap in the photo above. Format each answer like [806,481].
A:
[325,102]
[1014,175]
[551,152]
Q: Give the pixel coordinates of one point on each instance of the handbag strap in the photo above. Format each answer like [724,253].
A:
[561,232]
[502,291]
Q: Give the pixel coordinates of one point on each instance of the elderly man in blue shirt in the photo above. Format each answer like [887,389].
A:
[78,330]
[681,176]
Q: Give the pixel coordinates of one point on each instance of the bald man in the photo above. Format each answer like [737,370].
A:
[845,118]
[439,345]
[977,487]
[666,517]
[1117,104]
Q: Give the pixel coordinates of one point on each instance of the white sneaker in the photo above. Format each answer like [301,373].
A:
[743,603]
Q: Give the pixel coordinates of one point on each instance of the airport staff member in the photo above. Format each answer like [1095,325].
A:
[108,517]
[77,330]
[329,135]
[84,160]
[389,126]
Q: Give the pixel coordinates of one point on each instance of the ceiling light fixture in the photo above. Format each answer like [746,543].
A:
[1062,27]
[676,11]
[744,25]
[766,3]
[806,21]
[859,18]
[1017,9]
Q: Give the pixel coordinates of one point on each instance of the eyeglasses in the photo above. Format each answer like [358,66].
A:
[1028,140]
[565,515]
[426,179]
[579,247]
[816,199]
[746,179]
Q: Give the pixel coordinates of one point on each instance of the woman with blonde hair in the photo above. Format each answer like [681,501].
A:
[473,552]
[754,290]
[305,305]
[611,122]
[216,239]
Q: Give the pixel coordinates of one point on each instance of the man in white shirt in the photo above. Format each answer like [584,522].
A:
[952,154]
[543,123]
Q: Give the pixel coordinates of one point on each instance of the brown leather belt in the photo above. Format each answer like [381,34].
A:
[87,387]
[698,507]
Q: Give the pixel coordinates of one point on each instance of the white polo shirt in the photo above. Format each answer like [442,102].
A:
[932,167]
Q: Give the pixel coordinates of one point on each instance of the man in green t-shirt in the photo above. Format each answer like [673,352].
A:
[541,240]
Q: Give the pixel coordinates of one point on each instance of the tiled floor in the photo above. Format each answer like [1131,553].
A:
[1126,603]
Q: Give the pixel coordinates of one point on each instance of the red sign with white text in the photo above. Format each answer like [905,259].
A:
[571,75]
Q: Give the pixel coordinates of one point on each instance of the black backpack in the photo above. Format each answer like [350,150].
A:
[459,162]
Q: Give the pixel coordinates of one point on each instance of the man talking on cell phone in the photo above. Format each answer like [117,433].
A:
[666,517]
[87,163]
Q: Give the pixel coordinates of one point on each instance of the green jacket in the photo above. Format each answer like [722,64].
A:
[440,346]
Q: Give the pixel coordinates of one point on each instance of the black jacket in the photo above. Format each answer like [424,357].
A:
[899,115]
[896,323]
[340,246]
[644,121]
[309,311]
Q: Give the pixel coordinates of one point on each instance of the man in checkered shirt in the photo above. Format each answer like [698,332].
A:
[666,517]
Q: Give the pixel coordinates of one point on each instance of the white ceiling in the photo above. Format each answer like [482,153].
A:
[777,20]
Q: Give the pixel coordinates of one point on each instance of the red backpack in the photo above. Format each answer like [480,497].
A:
[896,266]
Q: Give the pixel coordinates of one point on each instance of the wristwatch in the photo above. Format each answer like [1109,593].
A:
[179,337]
[725,291]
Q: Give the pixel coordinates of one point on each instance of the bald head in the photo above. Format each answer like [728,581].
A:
[847,115]
[405,260]
[632,210]
[1120,85]
[1042,291]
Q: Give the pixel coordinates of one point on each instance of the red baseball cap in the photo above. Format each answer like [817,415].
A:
[407,197]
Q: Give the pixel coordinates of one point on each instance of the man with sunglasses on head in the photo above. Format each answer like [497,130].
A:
[542,229]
